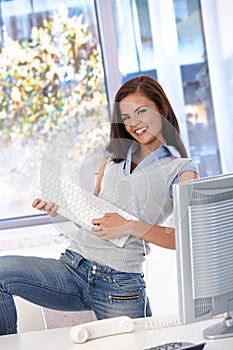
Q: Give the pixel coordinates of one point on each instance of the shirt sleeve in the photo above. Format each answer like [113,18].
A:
[189,166]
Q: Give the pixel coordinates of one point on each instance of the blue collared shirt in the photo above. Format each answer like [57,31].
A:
[159,153]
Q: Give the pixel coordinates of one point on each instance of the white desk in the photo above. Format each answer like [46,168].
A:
[58,339]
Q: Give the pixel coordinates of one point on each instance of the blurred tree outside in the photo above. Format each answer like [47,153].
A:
[48,78]
[53,79]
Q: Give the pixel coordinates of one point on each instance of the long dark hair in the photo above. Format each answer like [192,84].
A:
[120,139]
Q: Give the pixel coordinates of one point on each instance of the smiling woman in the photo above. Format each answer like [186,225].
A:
[94,273]
[42,83]
[143,109]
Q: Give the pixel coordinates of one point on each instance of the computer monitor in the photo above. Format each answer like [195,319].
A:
[203,211]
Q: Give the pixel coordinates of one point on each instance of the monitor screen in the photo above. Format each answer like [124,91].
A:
[203,212]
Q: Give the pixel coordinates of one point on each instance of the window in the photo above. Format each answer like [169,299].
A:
[140,50]
[135,47]
[51,75]
[203,144]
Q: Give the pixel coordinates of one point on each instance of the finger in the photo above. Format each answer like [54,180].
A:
[104,235]
[100,233]
[53,211]
[109,233]
[39,204]
[36,202]
[97,221]
[96,228]
[50,208]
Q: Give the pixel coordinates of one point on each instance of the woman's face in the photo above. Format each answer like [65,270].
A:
[142,120]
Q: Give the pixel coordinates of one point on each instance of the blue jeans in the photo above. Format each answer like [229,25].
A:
[70,283]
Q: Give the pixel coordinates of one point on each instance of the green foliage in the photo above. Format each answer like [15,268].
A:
[47,79]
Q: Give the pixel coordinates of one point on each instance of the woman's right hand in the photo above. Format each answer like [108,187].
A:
[50,208]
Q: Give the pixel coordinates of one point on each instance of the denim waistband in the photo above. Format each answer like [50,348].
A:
[75,259]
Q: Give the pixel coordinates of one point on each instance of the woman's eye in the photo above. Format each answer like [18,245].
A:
[125,117]
[142,110]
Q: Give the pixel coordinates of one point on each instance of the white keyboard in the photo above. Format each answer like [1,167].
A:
[75,203]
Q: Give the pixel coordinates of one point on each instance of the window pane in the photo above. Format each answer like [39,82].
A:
[137,55]
[197,92]
[189,30]
[50,70]
[131,18]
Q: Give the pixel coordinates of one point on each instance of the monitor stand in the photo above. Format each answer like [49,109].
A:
[223,329]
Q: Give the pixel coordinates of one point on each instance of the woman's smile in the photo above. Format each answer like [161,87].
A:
[141,130]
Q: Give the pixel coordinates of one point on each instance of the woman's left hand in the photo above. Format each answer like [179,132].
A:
[111,225]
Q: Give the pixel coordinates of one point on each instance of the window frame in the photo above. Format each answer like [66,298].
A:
[29,220]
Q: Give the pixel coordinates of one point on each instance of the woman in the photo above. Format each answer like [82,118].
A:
[146,157]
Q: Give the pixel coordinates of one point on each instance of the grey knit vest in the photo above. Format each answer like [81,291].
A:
[145,194]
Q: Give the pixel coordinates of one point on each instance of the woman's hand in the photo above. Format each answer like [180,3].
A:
[111,225]
[50,208]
